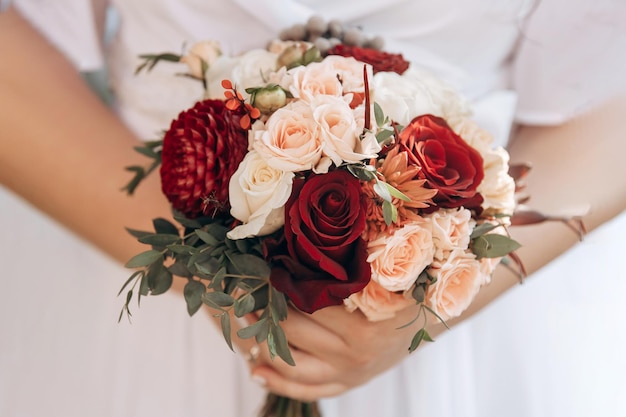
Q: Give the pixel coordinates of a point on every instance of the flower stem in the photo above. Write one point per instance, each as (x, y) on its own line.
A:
(279, 406)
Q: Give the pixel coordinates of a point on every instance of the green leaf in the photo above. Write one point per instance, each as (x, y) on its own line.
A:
(138, 233)
(381, 189)
(180, 218)
(164, 226)
(482, 229)
(128, 281)
(244, 305)
(390, 212)
(182, 249)
(146, 151)
(179, 268)
(225, 321)
(218, 279)
(417, 340)
(379, 115)
(217, 299)
(159, 239)
(251, 265)
(193, 296)
(206, 237)
(278, 305)
(493, 246)
(362, 172)
(396, 193)
(159, 279)
(217, 230)
(144, 259)
(254, 329)
(281, 347)
(384, 135)
(419, 293)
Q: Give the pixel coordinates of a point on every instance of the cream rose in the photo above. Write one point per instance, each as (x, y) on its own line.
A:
(415, 93)
(257, 194)
(205, 52)
(458, 280)
(289, 140)
(498, 187)
(377, 303)
(451, 230)
(398, 259)
(340, 131)
(251, 69)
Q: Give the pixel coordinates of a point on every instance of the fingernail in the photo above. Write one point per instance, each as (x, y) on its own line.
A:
(259, 380)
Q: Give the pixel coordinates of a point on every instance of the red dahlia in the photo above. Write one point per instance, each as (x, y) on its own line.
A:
(201, 150)
(379, 60)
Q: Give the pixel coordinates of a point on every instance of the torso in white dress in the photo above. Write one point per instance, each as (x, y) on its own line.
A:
(552, 347)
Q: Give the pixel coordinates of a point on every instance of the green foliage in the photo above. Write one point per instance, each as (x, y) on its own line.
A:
(152, 150)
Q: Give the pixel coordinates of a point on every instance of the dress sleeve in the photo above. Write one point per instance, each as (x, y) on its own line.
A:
(571, 58)
(69, 25)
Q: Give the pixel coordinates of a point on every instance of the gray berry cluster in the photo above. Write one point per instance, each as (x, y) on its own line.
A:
(325, 35)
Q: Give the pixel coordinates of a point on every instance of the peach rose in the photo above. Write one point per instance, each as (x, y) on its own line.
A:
(334, 76)
(399, 258)
(340, 131)
(290, 139)
(377, 303)
(451, 230)
(458, 280)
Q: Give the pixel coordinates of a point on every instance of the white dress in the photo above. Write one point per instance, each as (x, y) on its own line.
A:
(552, 347)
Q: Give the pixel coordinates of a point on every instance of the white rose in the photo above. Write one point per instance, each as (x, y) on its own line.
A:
(258, 194)
(451, 230)
(458, 280)
(415, 93)
(340, 131)
(205, 52)
(289, 140)
(398, 259)
(498, 187)
(251, 69)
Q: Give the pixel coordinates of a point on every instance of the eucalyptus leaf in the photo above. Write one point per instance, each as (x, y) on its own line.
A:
(225, 322)
(493, 246)
(278, 304)
(217, 230)
(253, 329)
(281, 345)
(159, 239)
(219, 299)
(243, 245)
(206, 237)
(129, 280)
(396, 193)
(138, 233)
(361, 173)
(384, 135)
(193, 296)
(419, 293)
(417, 340)
(179, 268)
(144, 288)
(379, 115)
(144, 259)
(482, 229)
(182, 249)
(218, 279)
(159, 279)
(390, 213)
(146, 151)
(250, 265)
(381, 189)
(180, 218)
(244, 305)
(164, 226)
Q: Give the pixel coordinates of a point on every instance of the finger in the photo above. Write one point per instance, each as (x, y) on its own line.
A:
(278, 384)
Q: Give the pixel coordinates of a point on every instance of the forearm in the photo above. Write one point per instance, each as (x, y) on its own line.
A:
(63, 150)
(577, 168)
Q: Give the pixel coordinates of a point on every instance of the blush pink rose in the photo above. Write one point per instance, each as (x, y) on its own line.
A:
(458, 280)
(376, 303)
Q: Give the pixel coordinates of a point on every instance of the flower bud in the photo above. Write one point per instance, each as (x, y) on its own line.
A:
(200, 57)
(270, 99)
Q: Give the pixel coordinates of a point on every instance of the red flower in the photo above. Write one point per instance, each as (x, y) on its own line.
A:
(321, 259)
(379, 60)
(448, 163)
(201, 151)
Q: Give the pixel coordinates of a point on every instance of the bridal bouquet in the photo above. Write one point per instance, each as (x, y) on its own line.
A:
(321, 174)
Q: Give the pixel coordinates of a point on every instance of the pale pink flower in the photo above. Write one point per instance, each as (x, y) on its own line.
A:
(377, 303)
(200, 57)
(397, 259)
(451, 230)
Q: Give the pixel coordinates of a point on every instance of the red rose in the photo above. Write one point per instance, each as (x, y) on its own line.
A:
(201, 151)
(322, 258)
(379, 60)
(448, 163)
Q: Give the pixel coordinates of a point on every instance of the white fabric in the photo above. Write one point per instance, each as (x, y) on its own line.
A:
(552, 347)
